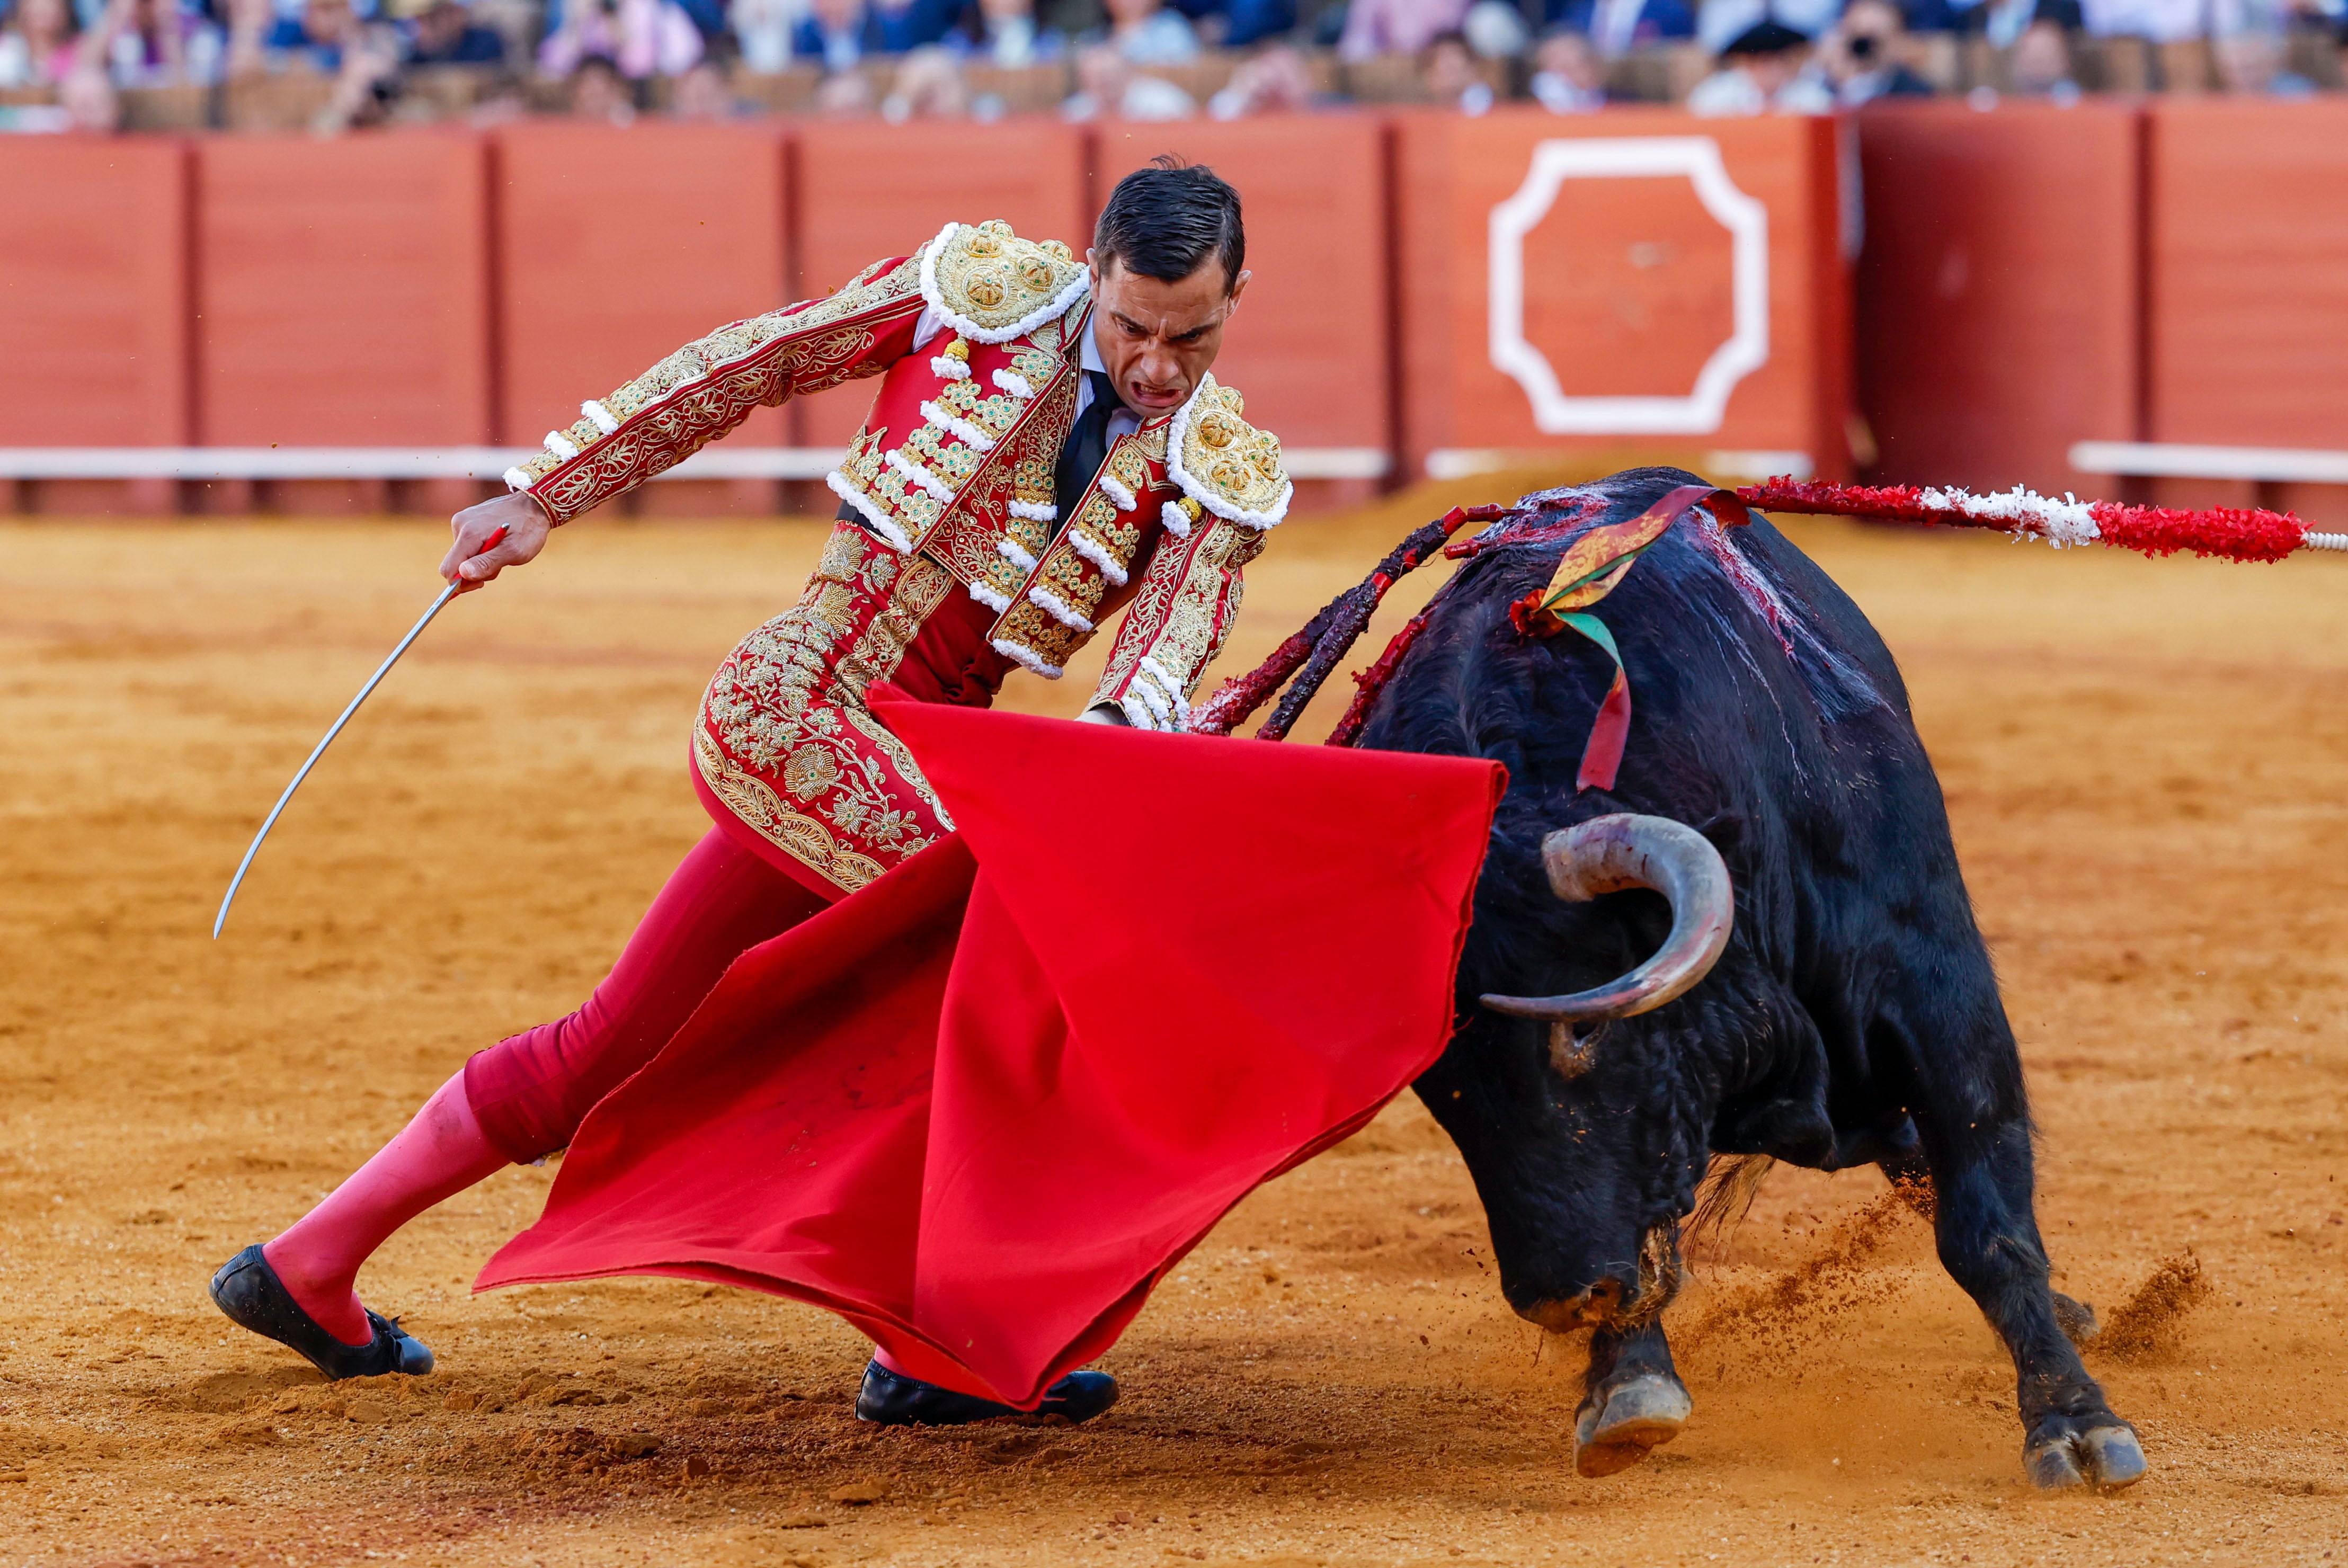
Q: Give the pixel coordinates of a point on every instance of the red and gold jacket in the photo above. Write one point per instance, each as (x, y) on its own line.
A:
(962, 567)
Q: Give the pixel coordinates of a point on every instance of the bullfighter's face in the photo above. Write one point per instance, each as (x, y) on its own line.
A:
(1158, 338)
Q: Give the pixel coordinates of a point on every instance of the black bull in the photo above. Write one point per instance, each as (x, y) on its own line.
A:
(1853, 1016)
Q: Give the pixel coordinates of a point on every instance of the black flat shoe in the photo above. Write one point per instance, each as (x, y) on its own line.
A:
(248, 1291)
(892, 1399)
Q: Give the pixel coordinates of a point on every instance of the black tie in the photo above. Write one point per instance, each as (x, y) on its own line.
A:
(1080, 459)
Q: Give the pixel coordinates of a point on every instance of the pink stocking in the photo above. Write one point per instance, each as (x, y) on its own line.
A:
(435, 1156)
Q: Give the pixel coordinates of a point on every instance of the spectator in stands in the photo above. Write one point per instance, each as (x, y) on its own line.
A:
(1615, 27)
(89, 101)
(2252, 61)
(703, 93)
(640, 38)
(316, 35)
(1448, 71)
(844, 95)
(1276, 79)
(1865, 56)
(2040, 64)
(836, 32)
(839, 32)
(444, 33)
(1004, 33)
(1374, 27)
(1766, 66)
(1146, 34)
(39, 44)
(929, 86)
(1239, 23)
(762, 30)
(1109, 87)
(1568, 77)
(250, 23)
(601, 92)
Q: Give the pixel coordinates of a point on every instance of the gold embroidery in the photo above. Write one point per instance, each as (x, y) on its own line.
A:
(710, 386)
(995, 280)
(1235, 464)
(786, 709)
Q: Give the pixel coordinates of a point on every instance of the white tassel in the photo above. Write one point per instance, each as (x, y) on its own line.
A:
(515, 480)
(986, 596)
(1019, 656)
(561, 445)
(1052, 605)
(601, 416)
(1176, 520)
(1018, 386)
(961, 430)
(1035, 510)
(882, 523)
(953, 369)
(918, 475)
(1085, 545)
(1115, 491)
(1009, 550)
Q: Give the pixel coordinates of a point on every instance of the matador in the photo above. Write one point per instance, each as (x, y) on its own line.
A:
(1046, 448)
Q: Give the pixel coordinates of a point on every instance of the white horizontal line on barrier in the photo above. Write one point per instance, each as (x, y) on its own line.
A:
(2174, 459)
(489, 462)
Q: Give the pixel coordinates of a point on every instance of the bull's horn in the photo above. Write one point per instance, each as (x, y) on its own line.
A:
(1608, 854)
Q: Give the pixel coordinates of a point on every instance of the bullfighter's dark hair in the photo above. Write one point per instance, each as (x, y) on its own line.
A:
(1164, 220)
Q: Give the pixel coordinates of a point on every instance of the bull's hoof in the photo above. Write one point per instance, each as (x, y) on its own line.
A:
(1620, 1425)
(2068, 1451)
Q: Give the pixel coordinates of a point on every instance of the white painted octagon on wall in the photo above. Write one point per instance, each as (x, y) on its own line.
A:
(1746, 350)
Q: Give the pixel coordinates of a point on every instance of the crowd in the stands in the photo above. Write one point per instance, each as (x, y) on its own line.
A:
(67, 63)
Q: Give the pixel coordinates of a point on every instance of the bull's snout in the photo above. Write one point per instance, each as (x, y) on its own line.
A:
(1601, 1304)
(1614, 1301)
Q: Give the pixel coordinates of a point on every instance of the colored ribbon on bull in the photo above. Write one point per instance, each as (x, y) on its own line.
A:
(1591, 567)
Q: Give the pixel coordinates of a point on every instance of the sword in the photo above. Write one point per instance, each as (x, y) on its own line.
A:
(373, 681)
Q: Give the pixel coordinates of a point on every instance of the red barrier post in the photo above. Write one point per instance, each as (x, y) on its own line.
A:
(1997, 290)
(1635, 281)
(2247, 242)
(342, 298)
(865, 191)
(616, 247)
(94, 307)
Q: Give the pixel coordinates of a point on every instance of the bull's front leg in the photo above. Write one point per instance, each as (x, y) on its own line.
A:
(1633, 1403)
(1988, 1243)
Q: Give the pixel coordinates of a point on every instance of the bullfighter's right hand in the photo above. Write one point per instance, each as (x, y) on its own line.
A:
(526, 526)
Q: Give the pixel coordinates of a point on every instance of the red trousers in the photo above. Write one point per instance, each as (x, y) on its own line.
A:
(531, 1091)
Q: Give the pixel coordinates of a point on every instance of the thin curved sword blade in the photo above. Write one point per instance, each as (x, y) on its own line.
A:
(275, 811)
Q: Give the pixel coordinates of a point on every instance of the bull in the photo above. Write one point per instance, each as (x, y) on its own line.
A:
(1621, 1024)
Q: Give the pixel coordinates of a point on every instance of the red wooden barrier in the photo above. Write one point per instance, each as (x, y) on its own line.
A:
(93, 302)
(1997, 290)
(1311, 347)
(1574, 283)
(2247, 236)
(869, 191)
(342, 291)
(616, 247)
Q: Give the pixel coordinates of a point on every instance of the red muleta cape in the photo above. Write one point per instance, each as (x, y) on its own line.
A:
(980, 1107)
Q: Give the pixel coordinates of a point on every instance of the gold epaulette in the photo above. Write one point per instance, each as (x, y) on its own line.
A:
(992, 286)
(1225, 464)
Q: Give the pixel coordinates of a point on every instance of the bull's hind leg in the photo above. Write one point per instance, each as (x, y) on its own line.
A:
(1989, 1242)
(1633, 1403)
(1912, 1178)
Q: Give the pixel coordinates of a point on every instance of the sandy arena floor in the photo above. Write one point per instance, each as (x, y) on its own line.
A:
(2145, 764)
